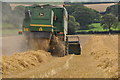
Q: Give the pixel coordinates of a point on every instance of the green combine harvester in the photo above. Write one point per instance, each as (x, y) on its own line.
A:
(45, 27)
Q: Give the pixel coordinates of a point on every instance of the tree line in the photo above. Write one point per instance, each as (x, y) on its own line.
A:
(80, 16)
(85, 16)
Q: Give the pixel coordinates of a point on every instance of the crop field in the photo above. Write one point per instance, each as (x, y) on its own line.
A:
(10, 29)
(99, 59)
(99, 7)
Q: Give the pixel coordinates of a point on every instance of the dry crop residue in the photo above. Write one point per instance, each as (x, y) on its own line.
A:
(99, 59)
(104, 49)
(21, 61)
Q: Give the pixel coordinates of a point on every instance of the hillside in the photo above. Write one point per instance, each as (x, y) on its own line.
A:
(99, 7)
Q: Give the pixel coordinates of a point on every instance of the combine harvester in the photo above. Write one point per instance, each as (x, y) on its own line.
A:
(45, 27)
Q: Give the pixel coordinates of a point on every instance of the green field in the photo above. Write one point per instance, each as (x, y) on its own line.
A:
(98, 27)
(10, 31)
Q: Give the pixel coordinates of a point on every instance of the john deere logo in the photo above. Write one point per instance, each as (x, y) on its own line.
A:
(40, 29)
(41, 14)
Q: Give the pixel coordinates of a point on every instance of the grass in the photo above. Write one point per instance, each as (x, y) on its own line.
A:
(9, 31)
(98, 27)
(7, 25)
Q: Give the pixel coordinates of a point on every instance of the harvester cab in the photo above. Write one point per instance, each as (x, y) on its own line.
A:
(73, 45)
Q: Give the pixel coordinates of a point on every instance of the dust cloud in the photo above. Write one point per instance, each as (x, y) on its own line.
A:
(39, 44)
(12, 19)
(13, 44)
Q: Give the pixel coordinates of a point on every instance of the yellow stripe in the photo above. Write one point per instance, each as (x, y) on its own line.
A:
(25, 29)
(41, 25)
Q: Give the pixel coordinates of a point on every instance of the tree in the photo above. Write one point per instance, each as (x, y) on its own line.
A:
(112, 9)
(71, 8)
(86, 16)
(72, 25)
(119, 11)
(109, 21)
(83, 15)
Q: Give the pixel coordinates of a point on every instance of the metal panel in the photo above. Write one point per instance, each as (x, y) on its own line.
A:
(74, 48)
(40, 35)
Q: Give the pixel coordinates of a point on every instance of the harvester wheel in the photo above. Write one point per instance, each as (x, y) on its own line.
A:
(57, 48)
(66, 48)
